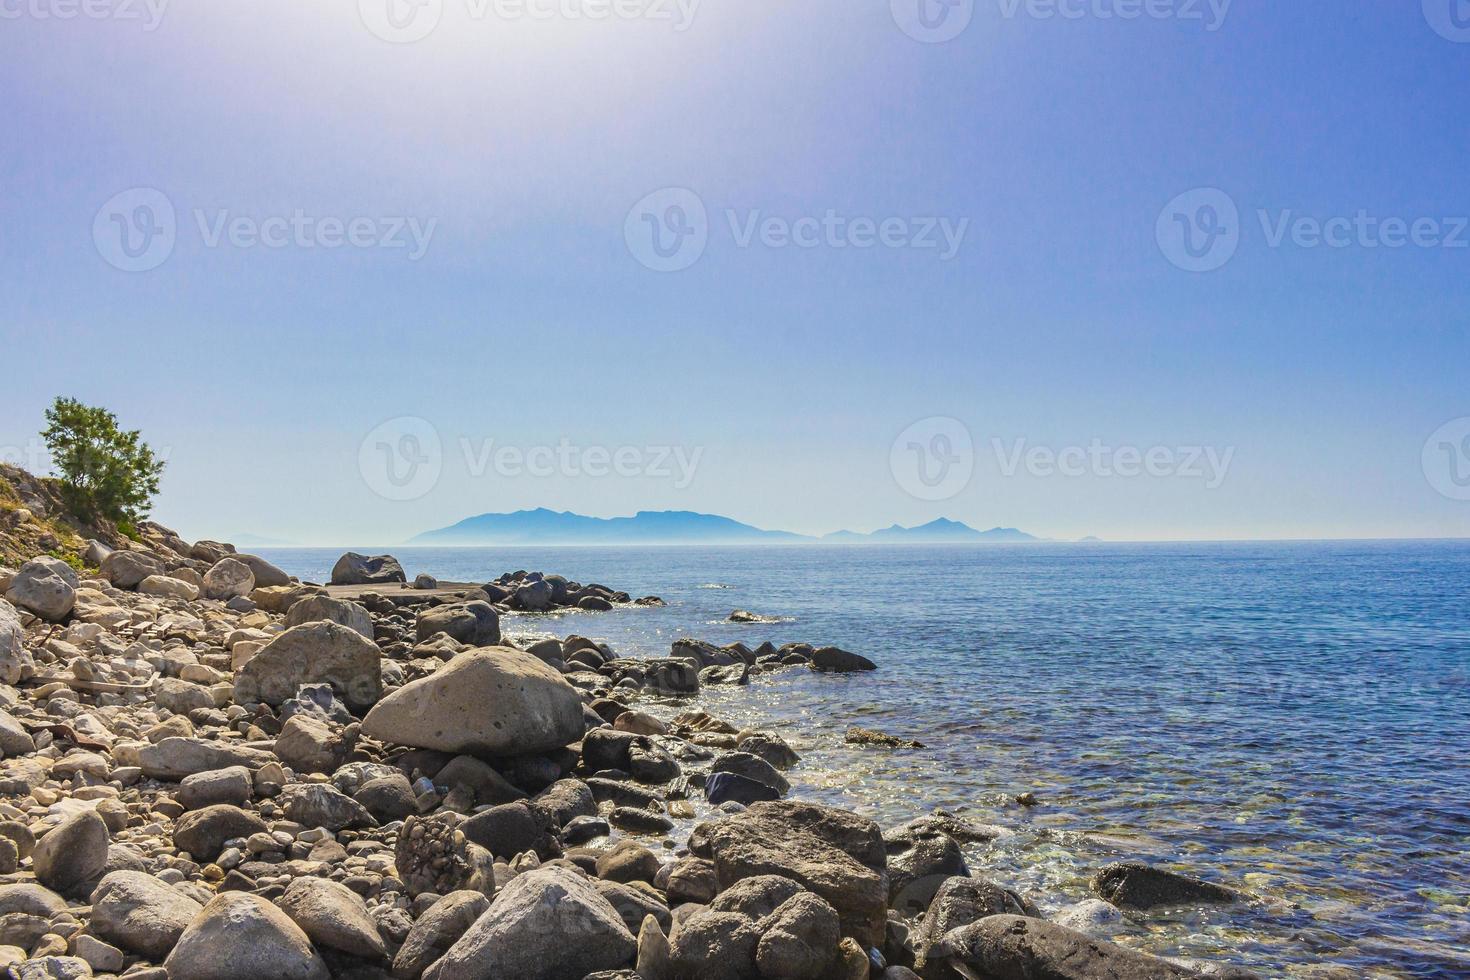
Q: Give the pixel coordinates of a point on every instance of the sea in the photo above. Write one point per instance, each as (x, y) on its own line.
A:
(1289, 718)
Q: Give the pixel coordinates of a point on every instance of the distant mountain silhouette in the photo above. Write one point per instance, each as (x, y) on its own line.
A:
(545, 527)
(942, 531)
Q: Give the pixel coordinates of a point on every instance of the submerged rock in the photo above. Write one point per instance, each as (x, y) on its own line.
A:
(1134, 885)
(1011, 947)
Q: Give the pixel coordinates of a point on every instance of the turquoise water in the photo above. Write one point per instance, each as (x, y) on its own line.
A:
(1290, 718)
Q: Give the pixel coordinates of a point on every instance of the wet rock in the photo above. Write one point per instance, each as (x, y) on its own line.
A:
(751, 767)
(240, 936)
(727, 787)
(496, 701)
(1134, 885)
(832, 660)
(636, 820)
(919, 862)
(735, 675)
(1010, 947)
(523, 935)
(355, 569)
(567, 799)
(1092, 916)
(770, 747)
(960, 902)
(869, 736)
(141, 914)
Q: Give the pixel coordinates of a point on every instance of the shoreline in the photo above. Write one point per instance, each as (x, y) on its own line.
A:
(321, 736)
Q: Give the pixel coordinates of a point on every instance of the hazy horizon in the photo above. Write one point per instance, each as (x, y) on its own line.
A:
(1192, 274)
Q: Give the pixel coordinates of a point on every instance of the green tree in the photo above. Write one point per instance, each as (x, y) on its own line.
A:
(105, 471)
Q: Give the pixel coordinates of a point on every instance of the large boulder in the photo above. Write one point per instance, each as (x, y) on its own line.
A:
(228, 579)
(334, 916)
(548, 924)
(355, 569)
(832, 852)
(1013, 947)
(494, 702)
(45, 586)
(74, 853)
(436, 930)
(959, 902)
(313, 653)
(320, 608)
(15, 660)
(241, 936)
(141, 914)
(1135, 885)
(267, 576)
(127, 569)
(475, 623)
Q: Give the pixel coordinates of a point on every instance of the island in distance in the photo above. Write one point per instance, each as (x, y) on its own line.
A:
(548, 527)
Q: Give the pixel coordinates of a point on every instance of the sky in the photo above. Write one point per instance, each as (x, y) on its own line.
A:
(1140, 269)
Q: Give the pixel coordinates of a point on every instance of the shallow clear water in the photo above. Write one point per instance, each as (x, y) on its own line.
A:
(1291, 718)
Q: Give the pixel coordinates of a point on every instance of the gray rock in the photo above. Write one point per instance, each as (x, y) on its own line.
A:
(320, 805)
(267, 576)
(320, 608)
(230, 578)
(175, 757)
(436, 931)
(920, 860)
(16, 661)
(1010, 947)
(241, 936)
(714, 945)
(126, 569)
(751, 767)
(14, 739)
(141, 914)
(73, 853)
(1134, 885)
(388, 798)
(310, 744)
(46, 586)
(831, 660)
(497, 701)
(534, 597)
(232, 785)
(355, 569)
(53, 968)
(26, 911)
(203, 832)
(514, 828)
(832, 852)
(798, 940)
(634, 904)
(168, 587)
(313, 653)
(181, 697)
(959, 902)
(474, 623)
(432, 855)
(332, 915)
(526, 932)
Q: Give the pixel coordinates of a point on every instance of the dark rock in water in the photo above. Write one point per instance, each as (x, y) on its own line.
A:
(567, 799)
(623, 794)
(593, 603)
(745, 616)
(835, 853)
(1011, 947)
(751, 767)
(920, 860)
(724, 787)
(651, 764)
(355, 569)
(868, 736)
(960, 902)
(957, 827)
(735, 674)
(1134, 885)
(831, 660)
(639, 821)
(580, 830)
(769, 746)
(605, 748)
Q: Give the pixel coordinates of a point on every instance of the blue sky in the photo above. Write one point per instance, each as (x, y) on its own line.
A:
(792, 381)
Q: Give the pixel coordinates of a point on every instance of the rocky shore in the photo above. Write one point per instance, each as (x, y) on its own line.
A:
(212, 770)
